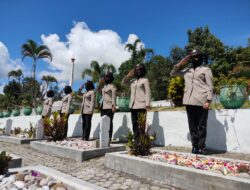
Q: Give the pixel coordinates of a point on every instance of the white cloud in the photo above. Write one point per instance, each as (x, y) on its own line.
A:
(6, 63)
(104, 46)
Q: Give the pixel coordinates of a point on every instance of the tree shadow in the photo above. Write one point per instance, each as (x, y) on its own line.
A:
(158, 130)
(122, 131)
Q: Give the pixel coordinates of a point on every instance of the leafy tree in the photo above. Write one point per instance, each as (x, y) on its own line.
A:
(139, 54)
(224, 64)
(31, 49)
(18, 75)
(105, 68)
(28, 89)
(12, 92)
(176, 54)
(158, 73)
(202, 39)
(48, 79)
(95, 71)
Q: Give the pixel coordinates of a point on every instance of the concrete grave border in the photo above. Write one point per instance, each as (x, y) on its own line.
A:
(177, 176)
(71, 182)
(16, 161)
(73, 153)
(17, 140)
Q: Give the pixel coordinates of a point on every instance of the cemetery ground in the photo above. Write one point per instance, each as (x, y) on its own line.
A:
(94, 171)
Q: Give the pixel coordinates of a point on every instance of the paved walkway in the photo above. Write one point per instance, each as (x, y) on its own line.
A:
(92, 171)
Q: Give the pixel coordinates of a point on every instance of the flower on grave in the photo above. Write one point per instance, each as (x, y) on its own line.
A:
(34, 173)
(203, 163)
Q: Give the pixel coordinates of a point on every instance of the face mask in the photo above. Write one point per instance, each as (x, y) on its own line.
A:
(138, 73)
(196, 61)
(67, 90)
(89, 86)
(107, 80)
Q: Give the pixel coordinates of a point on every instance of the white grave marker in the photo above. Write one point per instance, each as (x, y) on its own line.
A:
(39, 129)
(104, 131)
(8, 125)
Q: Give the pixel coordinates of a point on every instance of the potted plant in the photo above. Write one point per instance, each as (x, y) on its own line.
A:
(15, 112)
(232, 91)
(27, 110)
(123, 103)
(6, 113)
(176, 90)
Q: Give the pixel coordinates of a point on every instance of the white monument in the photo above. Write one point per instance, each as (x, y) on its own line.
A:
(39, 129)
(104, 131)
(8, 125)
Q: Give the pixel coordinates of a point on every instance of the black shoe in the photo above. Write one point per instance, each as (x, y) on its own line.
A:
(204, 151)
(195, 150)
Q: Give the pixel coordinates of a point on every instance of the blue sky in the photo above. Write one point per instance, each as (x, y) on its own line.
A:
(160, 24)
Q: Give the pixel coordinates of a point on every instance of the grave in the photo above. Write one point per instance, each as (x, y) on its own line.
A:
(75, 153)
(175, 174)
(22, 139)
(16, 161)
(80, 150)
(35, 177)
(17, 140)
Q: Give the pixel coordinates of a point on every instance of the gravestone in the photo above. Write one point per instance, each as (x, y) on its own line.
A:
(104, 131)
(39, 129)
(8, 125)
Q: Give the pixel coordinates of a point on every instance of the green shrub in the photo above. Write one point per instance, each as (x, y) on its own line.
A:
(176, 90)
(32, 131)
(54, 127)
(142, 143)
(4, 162)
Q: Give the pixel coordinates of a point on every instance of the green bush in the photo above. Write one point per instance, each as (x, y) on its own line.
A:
(176, 90)
(54, 127)
(142, 143)
(4, 162)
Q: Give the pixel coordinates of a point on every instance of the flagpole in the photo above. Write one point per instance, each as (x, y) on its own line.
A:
(72, 73)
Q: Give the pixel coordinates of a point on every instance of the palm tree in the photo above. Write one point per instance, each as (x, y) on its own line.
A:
(95, 71)
(139, 54)
(18, 75)
(48, 79)
(105, 68)
(133, 49)
(31, 49)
